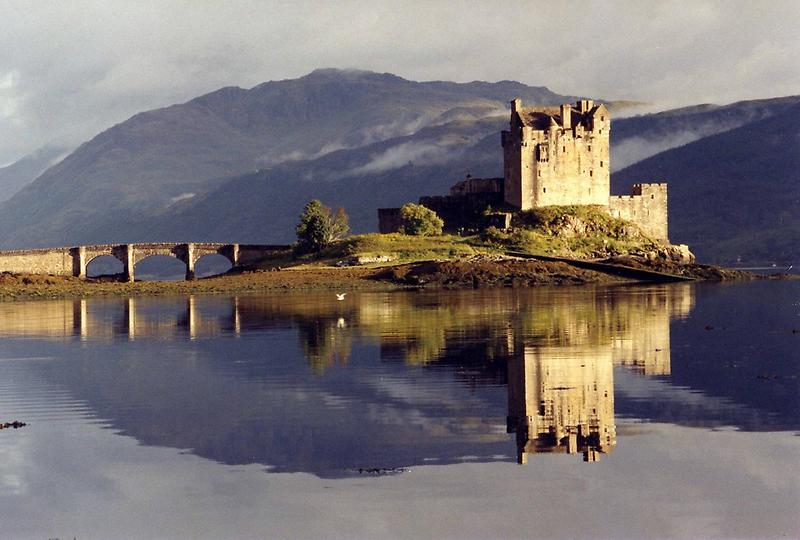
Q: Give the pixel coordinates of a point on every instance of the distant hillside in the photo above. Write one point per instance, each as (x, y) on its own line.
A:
(240, 164)
(160, 157)
(264, 206)
(733, 194)
(267, 203)
(17, 175)
(639, 137)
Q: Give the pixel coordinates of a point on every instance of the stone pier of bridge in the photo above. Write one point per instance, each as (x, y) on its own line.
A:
(73, 261)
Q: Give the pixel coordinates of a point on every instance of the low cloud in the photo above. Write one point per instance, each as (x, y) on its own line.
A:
(104, 61)
(413, 153)
(634, 149)
(181, 197)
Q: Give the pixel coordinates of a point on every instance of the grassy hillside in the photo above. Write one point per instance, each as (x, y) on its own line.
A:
(582, 232)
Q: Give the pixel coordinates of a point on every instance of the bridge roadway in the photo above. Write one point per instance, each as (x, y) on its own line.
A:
(72, 261)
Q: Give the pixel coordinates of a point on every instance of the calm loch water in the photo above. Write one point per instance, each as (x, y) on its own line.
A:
(664, 411)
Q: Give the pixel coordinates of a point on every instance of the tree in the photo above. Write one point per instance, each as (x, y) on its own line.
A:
(319, 227)
(419, 221)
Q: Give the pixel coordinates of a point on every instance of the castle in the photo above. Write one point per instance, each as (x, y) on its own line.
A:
(551, 156)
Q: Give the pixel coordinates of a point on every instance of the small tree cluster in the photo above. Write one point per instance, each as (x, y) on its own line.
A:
(319, 227)
(418, 220)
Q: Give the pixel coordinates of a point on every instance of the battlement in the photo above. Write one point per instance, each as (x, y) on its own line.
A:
(646, 206)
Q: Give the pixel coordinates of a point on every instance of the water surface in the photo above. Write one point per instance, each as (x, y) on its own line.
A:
(645, 411)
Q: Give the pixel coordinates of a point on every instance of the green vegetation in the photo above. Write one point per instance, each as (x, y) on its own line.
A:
(319, 227)
(562, 231)
(404, 248)
(570, 231)
(420, 221)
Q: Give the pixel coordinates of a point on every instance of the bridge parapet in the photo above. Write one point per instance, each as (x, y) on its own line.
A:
(73, 261)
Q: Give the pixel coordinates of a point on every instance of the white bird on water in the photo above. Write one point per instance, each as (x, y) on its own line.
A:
(340, 296)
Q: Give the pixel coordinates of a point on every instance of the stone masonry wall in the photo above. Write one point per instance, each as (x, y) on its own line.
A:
(46, 261)
(389, 220)
(646, 206)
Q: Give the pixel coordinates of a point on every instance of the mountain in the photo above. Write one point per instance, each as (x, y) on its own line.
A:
(399, 170)
(158, 158)
(733, 194)
(240, 164)
(22, 172)
(640, 137)
(263, 206)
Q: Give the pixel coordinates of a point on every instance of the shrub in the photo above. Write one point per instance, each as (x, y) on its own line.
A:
(319, 227)
(418, 220)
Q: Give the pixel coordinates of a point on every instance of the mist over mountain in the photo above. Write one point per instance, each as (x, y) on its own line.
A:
(733, 194)
(389, 173)
(640, 137)
(238, 165)
(158, 158)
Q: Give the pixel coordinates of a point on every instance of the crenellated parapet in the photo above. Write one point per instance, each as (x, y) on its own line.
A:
(646, 206)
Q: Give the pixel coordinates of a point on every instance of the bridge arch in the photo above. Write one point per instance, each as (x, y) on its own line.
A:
(159, 267)
(72, 261)
(104, 265)
(211, 264)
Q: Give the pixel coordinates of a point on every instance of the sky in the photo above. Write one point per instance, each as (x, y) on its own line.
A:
(70, 69)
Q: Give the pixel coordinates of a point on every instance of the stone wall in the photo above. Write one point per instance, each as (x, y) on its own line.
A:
(646, 206)
(59, 262)
(471, 186)
(389, 220)
(463, 212)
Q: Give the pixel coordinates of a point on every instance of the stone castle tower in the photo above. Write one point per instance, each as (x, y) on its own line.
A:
(557, 155)
(560, 156)
(552, 156)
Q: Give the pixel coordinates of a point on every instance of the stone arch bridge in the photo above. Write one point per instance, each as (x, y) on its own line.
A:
(72, 261)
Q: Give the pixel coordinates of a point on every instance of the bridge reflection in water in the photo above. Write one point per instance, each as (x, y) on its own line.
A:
(555, 350)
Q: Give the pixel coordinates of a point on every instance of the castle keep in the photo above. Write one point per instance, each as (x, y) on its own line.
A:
(551, 156)
(560, 156)
(556, 155)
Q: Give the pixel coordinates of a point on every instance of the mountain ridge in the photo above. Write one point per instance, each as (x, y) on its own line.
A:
(352, 138)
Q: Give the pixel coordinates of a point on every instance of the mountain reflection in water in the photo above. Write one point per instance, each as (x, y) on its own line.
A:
(383, 381)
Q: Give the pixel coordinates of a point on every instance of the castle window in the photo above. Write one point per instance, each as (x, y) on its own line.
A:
(540, 174)
(590, 148)
(591, 173)
(563, 148)
(602, 118)
(652, 196)
(601, 163)
(544, 190)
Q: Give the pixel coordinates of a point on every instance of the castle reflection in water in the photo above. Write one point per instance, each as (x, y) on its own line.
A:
(557, 351)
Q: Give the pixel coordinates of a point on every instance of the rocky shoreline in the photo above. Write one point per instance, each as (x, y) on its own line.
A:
(466, 272)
